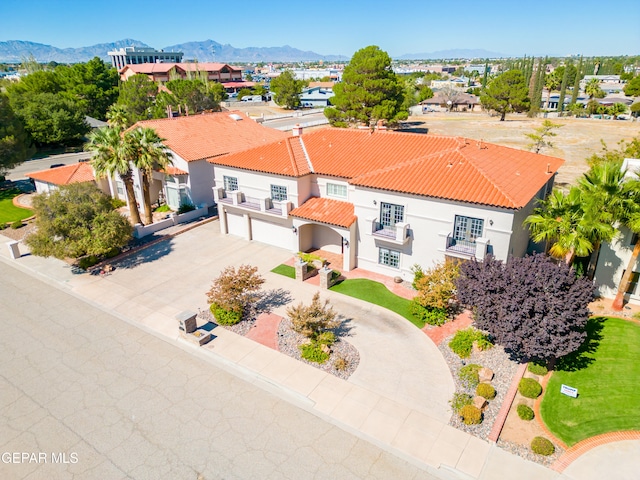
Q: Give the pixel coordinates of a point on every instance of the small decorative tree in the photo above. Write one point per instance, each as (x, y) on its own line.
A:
(436, 290)
(314, 319)
(233, 290)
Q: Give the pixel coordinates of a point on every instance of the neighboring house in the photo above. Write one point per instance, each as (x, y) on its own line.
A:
(384, 200)
(459, 83)
(137, 55)
(192, 140)
(459, 101)
(316, 97)
(163, 72)
(50, 179)
(325, 85)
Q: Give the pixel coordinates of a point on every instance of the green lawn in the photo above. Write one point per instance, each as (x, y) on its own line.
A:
(378, 294)
(8, 211)
(285, 270)
(606, 373)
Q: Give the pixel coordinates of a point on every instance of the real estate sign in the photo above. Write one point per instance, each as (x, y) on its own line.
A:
(569, 391)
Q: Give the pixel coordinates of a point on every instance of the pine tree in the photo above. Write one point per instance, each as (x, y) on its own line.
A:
(576, 83)
(563, 88)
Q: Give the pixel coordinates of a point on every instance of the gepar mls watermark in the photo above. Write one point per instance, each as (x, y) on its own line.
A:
(39, 457)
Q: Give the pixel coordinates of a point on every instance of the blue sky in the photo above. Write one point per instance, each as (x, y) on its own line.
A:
(511, 27)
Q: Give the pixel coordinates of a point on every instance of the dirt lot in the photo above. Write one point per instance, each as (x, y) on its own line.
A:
(575, 141)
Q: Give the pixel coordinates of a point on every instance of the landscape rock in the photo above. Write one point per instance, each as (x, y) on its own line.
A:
(479, 402)
(485, 375)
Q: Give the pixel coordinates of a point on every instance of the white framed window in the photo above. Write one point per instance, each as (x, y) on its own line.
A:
(467, 228)
(388, 257)
(391, 214)
(278, 193)
(120, 187)
(336, 190)
(230, 183)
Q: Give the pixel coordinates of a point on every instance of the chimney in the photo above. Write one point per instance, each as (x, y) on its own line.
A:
(297, 130)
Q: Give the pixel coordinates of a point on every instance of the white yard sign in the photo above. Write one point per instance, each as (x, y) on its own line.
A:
(570, 391)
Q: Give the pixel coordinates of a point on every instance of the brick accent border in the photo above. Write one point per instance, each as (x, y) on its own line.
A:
(584, 446)
(16, 203)
(506, 404)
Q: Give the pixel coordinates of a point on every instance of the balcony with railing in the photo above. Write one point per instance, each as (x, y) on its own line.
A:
(399, 233)
(256, 204)
(466, 248)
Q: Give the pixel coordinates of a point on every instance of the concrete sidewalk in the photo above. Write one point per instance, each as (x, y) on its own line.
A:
(396, 399)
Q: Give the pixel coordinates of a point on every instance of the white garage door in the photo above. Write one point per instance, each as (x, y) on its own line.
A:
(271, 233)
(236, 224)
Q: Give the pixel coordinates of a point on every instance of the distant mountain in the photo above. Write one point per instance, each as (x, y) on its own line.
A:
(456, 53)
(15, 50)
(205, 51)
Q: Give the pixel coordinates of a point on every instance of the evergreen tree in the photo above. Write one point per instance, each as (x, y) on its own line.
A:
(506, 93)
(563, 88)
(486, 74)
(15, 146)
(576, 83)
(287, 90)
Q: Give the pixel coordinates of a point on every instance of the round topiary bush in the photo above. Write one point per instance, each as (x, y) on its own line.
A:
(529, 388)
(537, 369)
(225, 317)
(525, 412)
(471, 415)
(486, 390)
(542, 446)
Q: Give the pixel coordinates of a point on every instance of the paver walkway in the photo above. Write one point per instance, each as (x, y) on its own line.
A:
(265, 330)
(438, 334)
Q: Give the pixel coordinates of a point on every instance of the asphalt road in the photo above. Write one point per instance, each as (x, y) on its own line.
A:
(85, 395)
(20, 171)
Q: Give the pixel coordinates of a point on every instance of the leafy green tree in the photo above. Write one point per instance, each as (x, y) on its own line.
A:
(424, 93)
(369, 91)
(635, 109)
(287, 90)
(15, 145)
(137, 96)
(36, 82)
(51, 119)
(149, 154)
(77, 220)
(244, 92)
(539, 139)
(186, 96)
(112, 154)
(632, 88)
(506, 93)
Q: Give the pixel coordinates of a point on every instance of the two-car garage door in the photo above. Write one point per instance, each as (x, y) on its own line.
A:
(263, 230)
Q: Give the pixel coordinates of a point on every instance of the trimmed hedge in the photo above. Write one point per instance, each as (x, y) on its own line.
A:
(525, 412)
(471, 415)
(537, 369)
(486, 390)
(529, 388)
(225, 317)
(542, 446)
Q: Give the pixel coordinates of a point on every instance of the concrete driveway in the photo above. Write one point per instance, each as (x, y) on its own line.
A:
(397, 360)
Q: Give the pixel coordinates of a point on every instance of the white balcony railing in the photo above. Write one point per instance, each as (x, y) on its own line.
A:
(255, 204)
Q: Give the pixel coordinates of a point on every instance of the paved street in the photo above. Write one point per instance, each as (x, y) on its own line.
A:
(124, 403)
(18, 173)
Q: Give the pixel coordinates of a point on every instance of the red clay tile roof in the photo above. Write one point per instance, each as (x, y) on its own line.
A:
(442, 167)
(171, 170)
(326, 210)
(148, 68)
(76, 173)
(209, 135)
(165, 67)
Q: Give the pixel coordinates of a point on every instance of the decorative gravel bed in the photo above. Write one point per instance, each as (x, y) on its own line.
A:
(497, 360)
(241, 328)
(526, 453)
(288, 342)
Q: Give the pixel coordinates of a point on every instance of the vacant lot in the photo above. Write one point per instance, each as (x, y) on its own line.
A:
(575, 141)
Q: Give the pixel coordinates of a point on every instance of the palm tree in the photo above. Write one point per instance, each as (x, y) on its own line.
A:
(112, 153)
(552, 82)
(592, 88)
(117, 116)
(150, 154)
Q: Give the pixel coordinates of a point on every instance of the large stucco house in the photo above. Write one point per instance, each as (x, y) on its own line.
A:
(384, 200)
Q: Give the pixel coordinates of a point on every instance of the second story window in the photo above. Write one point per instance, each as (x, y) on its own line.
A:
(391, 214)
(278, 193)
(467, 228)
(230, 183)
(336, 190)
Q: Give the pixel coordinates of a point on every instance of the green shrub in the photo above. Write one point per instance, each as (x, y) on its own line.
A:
(17, 224)
(469, 375)
(326, 338)
(112, 253)
(462, 341)
(471, 415)
(309, 258)
(418, 274)
(525, 412)
(529, 388)
(117, 203)
(430, 316)
(537, 369)
(313, 352)
(459, 400)
(486, 390)
(3, 226)
(88, 261)
(542, 446)
(335, 274)
(225, 317)
(186, 207)
(163, 208)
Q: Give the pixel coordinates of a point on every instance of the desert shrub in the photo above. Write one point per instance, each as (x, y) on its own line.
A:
(17, 224)
(186, 207)
(459, 400)
(313, 352)
(462, 341)
(430, 316)
(537, 369)
(471, 415)
(225, 317)
(525, 412)
(529, 388)
(486, 390)
(88, 261)
(542, 446)
(326, 338)
(233, 290)
(312, 320)
(341, 363)
(468, 375)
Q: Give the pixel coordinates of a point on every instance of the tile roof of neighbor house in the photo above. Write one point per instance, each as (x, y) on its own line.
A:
(76, 173)
(171, 170)
(326, 210)
(197, 137)
(163, 67)
(450, 168)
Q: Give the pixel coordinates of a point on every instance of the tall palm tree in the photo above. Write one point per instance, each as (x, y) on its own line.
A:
(632, 221)
(150, 154)
(112, 153)
(117, 116)
(592, 88)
